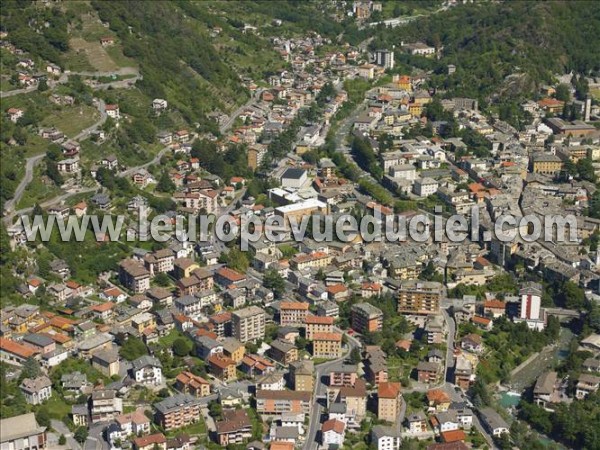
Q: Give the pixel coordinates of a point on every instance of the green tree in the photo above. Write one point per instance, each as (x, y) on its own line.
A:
(165, 184)
(31, 368)
(81, 434)
(62, 440)
(563, 92)
(272, 280)
(133, 348)
(181, 347)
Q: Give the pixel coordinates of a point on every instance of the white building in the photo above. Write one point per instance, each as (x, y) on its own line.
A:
(36, 390)
(404, 172)
(147, 370)
(531, 311)
(384, 58)
(385, 438)
(333, 432)
(424, 187)
(294, 178)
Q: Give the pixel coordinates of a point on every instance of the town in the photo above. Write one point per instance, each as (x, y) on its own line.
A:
(296, 344)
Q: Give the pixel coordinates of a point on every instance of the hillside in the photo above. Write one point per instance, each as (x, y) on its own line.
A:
(490, 41)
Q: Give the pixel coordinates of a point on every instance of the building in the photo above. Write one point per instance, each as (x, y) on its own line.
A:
(424, 187)
(385, 438)
(302, 375)
(13, 352)
(546, 164)
(134, 276)
(293, 313)
(586, 384)
(294, 178)
(188, 383)
(156, 441)
(106, 361)
(317, 324)
(384, 58)
(428, 372)
(36, 390)
(278, 402)
(419, 297)
(366, 318)
(147, 370)
(493, 422)
(22, 433)
(126, 425)
(222, 367)
(327, 345)
(343, 375)
(530, 310)
(389, 401)
(105, 405)
(464, 375)
(284, 352)
(333, 433)
(234, 428)
(248, 324)
(544, 390)
(177, 411)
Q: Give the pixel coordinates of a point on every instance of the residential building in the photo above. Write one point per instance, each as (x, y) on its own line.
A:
(292, 313)
(222, 367)
(493, 422)
(389, 401)
(283, 351)
(248, 324)
(106, 361)
(105, 405)
(586, 384)
(156, 441)
(22, 433)
(317, 324)
(302, 375)
(386, 438)
(278, 402)
(134, 276)
(36, 390)
(188, 383)
(332, 433)
(428, 372)
(419, 297)
(147, 370)
(327, 345)
(366, 318)
(235, 427)
(177, 411)
(343, 375)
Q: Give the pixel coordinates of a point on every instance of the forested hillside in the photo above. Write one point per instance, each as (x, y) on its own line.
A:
(490, 41)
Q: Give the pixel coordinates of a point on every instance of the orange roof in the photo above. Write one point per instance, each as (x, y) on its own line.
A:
(388, 389)
(494, 304)
(453, 436)
(35, 282)
(481, 320)
(438, 396)
(208, 333)
(404, 344)
(113, 292)
(220, 361)
(221, 317)
(61, 322)
(327, 337)
(281, 445)
(151, 439)
(103, 307)
(550, 103)
(73, 284)
(368, 286)
(16, 349)
(333, 425)
(476, 187)
(318, 320)
(80, 205)
(294, 305)
(337, 289)
(58, 337)
(230, 274)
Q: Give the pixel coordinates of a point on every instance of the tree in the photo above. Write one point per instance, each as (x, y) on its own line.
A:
(272, 280)
(62, 440)
(43, 85)
(563, 92)
(133, 348)
(355, 356)
(81, 434)
(165, 184)
(31, 368)
(43, 417)
(162, 279)
(181, 347)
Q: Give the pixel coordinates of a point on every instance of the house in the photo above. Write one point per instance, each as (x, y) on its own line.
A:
(66, 166)
(222, 367)
(586, 384)
(438, 400)
(156, 441)
(126, 425)
(106, 361)
(39, 342)
(428, 372)
(386, 438)
(283, 351)
(272, 381)
(107, 41)
(147, 370)
(14, 114)
(234, 428)
(417, 423)
(256, 365)
(36, 390)
(332, 433)
(545, 389)
(159, 104)
(105, 405)
(113, 111)
(114, 295)
(177, 411)
(493, 422)
(22, 432)
(472, 342)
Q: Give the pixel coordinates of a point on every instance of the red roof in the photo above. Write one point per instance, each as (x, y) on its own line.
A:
(103, 307)
(453, 436)
(318, 320)
(327, 337)
(151, 439)
(295, 305)
(16, 349)
(333, 425)
(337, 289)
(230, 274)
(388, 389)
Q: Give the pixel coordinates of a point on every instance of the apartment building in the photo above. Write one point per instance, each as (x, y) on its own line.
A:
(343, 375)
(177, 411)
(22, 433)
(366, 318)
(134, 276)
(248, 324)
(419, 297)
(278, 402)
(188, 383)
(389, 401)
(222, 367)
(234, 428)
(292, 313)
(317, 324)
(327, 345)
(302, 375)
(105, 405)
(160, 261)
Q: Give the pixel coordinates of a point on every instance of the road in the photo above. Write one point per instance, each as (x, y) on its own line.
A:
(89, 130)
(61, 428)
(27, 178)
(224, 127)
(320, 391)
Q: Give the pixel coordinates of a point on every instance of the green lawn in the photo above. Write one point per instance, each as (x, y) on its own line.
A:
(37, 191)
(57, 407)
(167, 341)
(197, 429)
(116, 54)
(72, 120)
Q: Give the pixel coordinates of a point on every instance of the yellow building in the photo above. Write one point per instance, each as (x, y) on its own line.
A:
(327, 345)
(234, 349)
(389, 401)
(547, 164)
